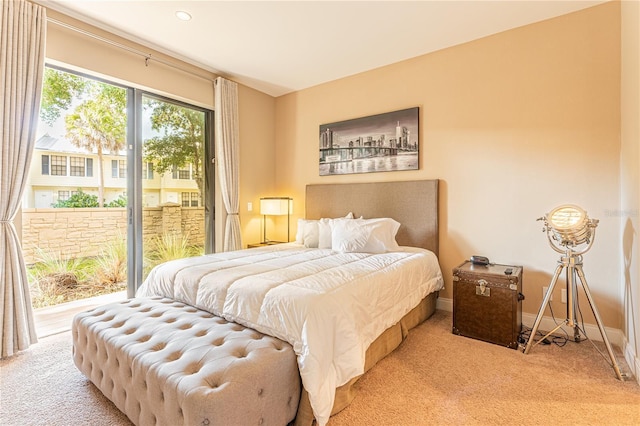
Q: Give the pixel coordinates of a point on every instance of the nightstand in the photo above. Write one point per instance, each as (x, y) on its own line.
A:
(487, 302)
(268, 243)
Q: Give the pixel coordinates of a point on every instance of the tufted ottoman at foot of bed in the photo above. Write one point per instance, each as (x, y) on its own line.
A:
(162, 362)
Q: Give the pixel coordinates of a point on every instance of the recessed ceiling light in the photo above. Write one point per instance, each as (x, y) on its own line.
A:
(181, 14)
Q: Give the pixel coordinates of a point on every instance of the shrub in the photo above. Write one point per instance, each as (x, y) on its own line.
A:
(111, 265)
(121, 201)
(78, 200)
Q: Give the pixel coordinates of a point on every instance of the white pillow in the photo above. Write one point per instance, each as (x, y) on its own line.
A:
(316, 233)
(310, 236)
(365, 236)
(324, 233)
(300, 231)
(325, 230)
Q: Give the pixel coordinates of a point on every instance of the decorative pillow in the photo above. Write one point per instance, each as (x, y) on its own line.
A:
(325, 229)
(300, 231)
(365, 236)
(316, 233)
(310, 236)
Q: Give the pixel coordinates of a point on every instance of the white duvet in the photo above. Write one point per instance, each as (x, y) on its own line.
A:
(329, 306)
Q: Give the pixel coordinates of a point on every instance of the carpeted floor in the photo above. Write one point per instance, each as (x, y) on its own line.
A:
(433, 378)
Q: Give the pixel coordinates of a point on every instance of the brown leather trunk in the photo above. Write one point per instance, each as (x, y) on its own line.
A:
(487, 303)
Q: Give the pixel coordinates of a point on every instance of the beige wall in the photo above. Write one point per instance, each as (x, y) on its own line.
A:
(630, 179)
(514, 124)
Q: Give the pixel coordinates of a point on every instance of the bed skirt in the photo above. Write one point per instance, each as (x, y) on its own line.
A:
(380, 348)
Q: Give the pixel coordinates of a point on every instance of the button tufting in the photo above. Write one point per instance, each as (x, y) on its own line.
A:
(174, 356)
(260, 391)
(260, 421)
(201, 333)
(160, 346)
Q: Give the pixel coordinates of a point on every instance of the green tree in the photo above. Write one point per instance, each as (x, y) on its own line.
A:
(98, 124)
(181, 141)
(58, 91)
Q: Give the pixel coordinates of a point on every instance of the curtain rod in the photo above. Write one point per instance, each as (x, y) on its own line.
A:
(147, 56)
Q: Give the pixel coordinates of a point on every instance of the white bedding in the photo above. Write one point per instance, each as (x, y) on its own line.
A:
(329, 306)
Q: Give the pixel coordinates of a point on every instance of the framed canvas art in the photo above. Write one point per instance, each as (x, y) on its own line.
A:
(377, 143)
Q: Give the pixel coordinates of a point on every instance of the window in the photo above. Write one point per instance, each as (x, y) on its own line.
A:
(45, 164)
(135, 150)
(181, 173)
(118, 168)
(147, 170)
(58, 165)
(195, 199)
(77, 166)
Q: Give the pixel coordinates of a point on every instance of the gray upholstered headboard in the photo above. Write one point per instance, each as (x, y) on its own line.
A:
(412, 203)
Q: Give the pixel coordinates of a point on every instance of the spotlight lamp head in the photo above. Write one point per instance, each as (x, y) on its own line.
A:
(569, 226)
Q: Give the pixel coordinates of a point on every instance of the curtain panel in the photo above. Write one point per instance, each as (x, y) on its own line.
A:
(227, 151)
(22, 45)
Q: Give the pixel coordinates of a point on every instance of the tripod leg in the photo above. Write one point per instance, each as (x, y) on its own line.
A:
(572, 301)
(543, 306)
(583, 280)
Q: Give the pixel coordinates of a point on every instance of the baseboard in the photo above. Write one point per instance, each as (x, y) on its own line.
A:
(615, 335)
(444, 304)
(632, 360)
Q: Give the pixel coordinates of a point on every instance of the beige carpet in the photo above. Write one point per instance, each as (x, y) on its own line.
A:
(433, 378)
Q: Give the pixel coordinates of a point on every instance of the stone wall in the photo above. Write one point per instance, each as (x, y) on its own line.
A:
(82, 232)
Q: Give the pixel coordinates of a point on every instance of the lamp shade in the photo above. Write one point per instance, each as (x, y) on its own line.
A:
(275, 206)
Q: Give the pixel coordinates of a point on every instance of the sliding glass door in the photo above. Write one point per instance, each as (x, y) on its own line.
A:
(174, 142)
(119, 182)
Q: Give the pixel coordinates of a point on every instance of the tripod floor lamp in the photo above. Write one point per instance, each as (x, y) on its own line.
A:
(275, 206)
(568, 227)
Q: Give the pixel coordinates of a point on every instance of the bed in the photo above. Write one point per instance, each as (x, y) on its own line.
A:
(312, 298)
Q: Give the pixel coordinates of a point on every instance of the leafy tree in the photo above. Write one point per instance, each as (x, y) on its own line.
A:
(78, 200)
(99, 124)
(58, 91)
(181, 141)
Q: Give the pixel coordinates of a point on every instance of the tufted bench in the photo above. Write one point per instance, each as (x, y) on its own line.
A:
(162, 362)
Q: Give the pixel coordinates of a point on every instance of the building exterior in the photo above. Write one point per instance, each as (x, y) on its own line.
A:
(59, 169)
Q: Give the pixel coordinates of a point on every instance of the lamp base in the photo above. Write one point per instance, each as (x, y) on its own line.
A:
(572, 264)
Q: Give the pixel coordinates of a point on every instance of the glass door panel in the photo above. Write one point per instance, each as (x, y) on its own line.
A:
(74, 217)
(174, 137)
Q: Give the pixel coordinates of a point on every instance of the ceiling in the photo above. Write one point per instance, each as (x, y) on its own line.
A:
(282, 46)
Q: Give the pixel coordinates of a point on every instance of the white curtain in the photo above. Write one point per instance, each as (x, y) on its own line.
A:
(227, 152)
(22, 43)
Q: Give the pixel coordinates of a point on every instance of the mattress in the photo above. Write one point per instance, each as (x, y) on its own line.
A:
(329, 306)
